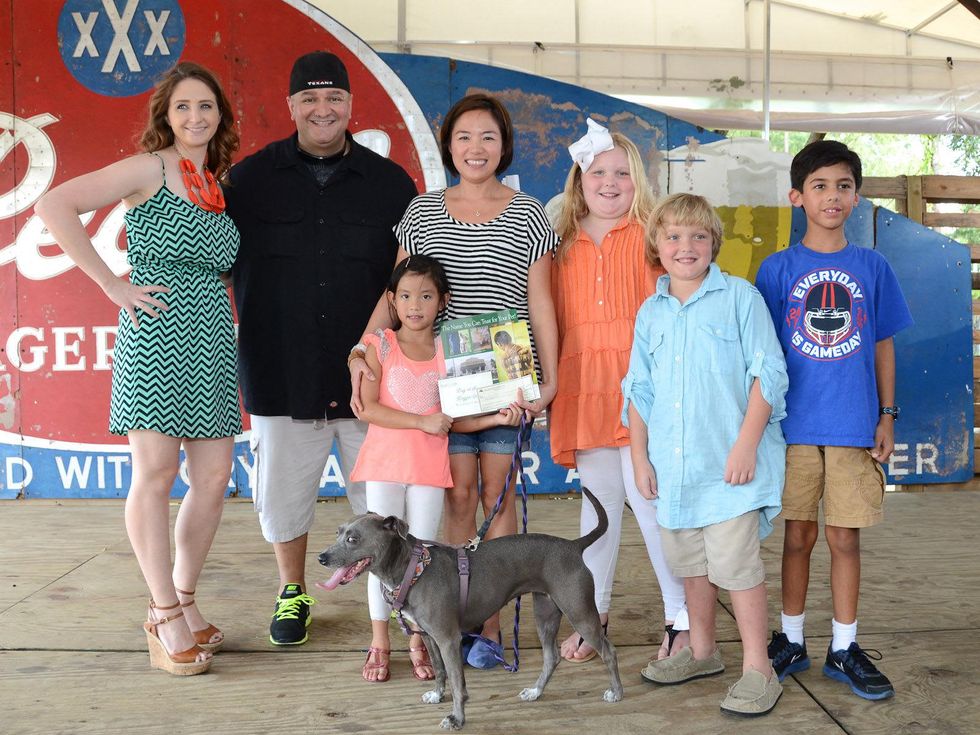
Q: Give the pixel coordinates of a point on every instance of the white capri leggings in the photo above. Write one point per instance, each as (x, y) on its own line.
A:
(420, 506)
(608, 473)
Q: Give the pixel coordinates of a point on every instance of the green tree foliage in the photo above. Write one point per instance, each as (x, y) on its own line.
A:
(882, 154)
(967, 148)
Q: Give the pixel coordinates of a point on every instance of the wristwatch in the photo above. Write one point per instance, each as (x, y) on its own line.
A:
(892, 411)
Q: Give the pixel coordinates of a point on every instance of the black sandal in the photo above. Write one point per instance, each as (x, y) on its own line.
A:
(671, 636)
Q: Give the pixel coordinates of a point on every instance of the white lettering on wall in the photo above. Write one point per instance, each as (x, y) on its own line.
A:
(75, 472)
(103, 352)
(332, 473)
(28, 348)
(926, 454)
(41, 160)
(19, 473)
(66, 347)
(925, 458)
(531, 468)
(37, 352)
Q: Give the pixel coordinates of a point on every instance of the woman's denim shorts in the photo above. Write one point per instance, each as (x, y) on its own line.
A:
(496, 440)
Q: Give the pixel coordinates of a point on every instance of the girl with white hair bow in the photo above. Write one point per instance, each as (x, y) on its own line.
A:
(600, 277)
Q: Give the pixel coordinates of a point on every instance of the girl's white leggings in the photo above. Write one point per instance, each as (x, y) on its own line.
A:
(608, 473)
(420, 506)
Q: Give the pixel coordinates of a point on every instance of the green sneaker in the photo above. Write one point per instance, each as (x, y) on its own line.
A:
(291, 618)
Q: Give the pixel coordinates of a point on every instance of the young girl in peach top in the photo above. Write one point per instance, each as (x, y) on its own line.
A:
(600, 277)
(404, 461)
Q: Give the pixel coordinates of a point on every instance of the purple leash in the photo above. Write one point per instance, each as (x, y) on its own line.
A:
(419, 559)
(516, 466)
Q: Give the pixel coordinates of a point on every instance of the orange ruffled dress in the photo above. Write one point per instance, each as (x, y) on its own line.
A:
(597, 293)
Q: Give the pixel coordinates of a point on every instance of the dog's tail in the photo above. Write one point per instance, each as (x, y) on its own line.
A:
(596, 533)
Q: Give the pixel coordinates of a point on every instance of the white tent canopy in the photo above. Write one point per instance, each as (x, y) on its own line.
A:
(856, 65)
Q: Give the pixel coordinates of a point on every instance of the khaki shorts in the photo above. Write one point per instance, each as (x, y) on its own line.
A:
(288, 461)
(727, 552)
(850, 481)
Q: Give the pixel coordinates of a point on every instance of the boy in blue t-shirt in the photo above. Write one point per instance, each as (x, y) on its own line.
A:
(836, 308)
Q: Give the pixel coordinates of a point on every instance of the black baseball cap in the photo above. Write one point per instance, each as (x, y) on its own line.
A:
(318, 70)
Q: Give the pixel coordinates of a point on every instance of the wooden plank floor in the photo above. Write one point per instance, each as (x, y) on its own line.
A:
(73, 657)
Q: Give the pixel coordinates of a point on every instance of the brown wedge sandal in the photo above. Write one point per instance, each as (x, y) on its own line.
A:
(182, 663)
(210, 638)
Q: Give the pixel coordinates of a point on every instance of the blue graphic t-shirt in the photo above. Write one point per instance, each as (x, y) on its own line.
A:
(829, 310)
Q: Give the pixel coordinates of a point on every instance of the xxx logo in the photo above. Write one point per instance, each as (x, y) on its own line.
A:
(119, 47)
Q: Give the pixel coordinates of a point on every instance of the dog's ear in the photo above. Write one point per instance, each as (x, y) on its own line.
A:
(396, 524)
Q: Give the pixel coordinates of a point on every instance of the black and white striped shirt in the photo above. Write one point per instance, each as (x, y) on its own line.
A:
(487, 263)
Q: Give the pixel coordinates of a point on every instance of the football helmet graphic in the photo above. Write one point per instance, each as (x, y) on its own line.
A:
(828, 313)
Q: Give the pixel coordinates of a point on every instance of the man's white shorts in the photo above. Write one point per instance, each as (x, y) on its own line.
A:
(289, 457)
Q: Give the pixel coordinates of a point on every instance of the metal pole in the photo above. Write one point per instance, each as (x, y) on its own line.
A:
(402, 44)
(766, 80)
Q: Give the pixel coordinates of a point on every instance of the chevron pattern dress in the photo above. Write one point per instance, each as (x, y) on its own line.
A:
(176, 374)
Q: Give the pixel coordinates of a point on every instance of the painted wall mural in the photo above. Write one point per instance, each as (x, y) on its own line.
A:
(73, 86)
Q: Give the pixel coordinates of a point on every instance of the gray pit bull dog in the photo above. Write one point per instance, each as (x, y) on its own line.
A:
(548, 567)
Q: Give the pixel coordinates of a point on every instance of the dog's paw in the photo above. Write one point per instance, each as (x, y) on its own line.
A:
(432, 697)
(451, 723)
(612, 696)
(530, 694)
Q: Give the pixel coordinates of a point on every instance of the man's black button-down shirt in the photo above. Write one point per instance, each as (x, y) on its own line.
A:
(312, 264)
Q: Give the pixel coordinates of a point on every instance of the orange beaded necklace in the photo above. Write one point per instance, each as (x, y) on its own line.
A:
(209, 198)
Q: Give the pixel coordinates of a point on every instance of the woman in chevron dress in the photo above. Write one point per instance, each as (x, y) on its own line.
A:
(174, 374)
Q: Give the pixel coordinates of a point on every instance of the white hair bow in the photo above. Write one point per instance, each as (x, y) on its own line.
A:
(597, 140)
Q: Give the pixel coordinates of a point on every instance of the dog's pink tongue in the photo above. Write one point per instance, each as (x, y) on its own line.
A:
(334, 581)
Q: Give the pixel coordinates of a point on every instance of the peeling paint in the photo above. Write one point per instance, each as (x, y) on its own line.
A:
(8, 406)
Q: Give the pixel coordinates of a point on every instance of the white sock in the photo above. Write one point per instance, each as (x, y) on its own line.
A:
(844, 635)
(793, 627)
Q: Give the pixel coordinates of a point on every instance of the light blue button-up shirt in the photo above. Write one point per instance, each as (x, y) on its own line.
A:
(691, 370)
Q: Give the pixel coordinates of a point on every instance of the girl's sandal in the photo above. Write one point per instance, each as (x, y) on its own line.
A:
(422, 666)
(667, 647)
(591, 655)
(194, 660)
(210, 638)
(377, 662)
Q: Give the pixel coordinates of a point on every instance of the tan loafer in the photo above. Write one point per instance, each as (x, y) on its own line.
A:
(683, 667)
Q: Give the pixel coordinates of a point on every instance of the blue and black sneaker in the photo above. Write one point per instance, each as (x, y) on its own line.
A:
(787, 657)
(854, 668)
(292, 617)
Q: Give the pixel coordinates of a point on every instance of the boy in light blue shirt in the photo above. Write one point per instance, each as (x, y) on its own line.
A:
(703, 399)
